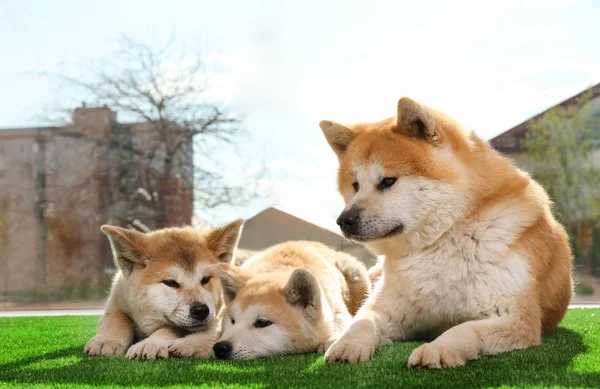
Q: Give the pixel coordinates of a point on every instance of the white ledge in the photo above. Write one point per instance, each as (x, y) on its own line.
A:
(97, 312)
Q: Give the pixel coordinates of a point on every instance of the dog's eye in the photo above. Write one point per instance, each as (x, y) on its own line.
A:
(262, 323)
(171, 283)
(355, 186)
(232, 321)
(386, 183)
(205, 280)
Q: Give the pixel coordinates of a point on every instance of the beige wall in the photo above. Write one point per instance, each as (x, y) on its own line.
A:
(74, 214)
(18, 269)
(73, 243)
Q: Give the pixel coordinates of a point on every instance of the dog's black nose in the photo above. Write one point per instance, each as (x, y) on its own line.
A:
(348, 220)
(199, 311)
(223, 350)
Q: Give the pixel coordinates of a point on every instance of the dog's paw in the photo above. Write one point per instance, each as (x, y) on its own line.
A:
(182, 348)
(431, 355)
(98, 346)
(349, 350)
(147, 350)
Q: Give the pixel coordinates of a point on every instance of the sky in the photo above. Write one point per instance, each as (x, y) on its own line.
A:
(286, 65)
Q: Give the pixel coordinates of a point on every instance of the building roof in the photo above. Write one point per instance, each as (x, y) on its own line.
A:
(510, 141)
(272, 226)
(281, 213)
(24, 132)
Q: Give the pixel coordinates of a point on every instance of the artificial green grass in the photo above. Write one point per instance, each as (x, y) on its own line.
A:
(46, 352)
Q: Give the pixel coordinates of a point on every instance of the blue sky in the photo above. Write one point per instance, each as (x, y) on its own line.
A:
(285, 65)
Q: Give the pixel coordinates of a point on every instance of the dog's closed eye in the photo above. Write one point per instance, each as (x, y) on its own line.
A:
(171, 283)
(262, 323)
(386, 183)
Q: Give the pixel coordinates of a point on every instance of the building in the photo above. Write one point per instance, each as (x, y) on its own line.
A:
(273, 226)
(509, 142)
(58, 185)
(584, 229)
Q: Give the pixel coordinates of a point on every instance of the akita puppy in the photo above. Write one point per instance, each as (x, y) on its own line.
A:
(163, 294)
(471, 252)
(295, 297)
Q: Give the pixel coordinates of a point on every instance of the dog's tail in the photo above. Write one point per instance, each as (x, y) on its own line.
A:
(375, 272)
(357, 278)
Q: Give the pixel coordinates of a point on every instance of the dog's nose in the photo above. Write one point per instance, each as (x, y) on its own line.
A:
(348, 220)
(199, 311)
(223, 350)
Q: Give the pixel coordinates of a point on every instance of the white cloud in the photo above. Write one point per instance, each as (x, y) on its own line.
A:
(542, 4)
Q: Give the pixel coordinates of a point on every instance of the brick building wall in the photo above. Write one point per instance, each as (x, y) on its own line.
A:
(57, 187)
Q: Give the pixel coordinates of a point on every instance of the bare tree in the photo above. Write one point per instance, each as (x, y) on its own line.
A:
(171, 154)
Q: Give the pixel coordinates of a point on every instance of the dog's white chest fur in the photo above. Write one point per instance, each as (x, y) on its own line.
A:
(460, 278)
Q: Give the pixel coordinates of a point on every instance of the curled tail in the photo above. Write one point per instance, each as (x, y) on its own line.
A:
(375, 272)
(357, 279)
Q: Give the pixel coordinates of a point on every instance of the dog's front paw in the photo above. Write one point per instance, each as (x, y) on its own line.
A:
(148, 350)
(431, 355)
(349, 350)
(98, 346)
(183, 348)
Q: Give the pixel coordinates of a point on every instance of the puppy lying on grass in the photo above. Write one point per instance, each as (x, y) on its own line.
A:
(163, 294)
(296, 297)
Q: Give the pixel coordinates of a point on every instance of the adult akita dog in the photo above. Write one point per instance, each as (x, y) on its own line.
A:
(164, 295)
(472, 256)
(295, 297)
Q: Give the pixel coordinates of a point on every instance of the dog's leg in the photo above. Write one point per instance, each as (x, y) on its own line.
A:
(156, 346)
(341, 321)
(196, 345)
(481, 337)
(115, 335)
(378, 322)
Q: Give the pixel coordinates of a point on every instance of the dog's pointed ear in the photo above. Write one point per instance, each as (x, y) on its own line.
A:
(338, 136)
(232, 278)
(126, 247)
(416, 121)
(223, 241)
(302, 289)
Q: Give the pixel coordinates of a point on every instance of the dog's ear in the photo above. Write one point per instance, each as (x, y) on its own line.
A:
(223, 241)
(302, 289)
(338, 136)
(232, 279)
(126, 247)
(416, 121)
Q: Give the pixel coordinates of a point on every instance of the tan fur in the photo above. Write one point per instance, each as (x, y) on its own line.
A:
(242, 255)
(307, 290)
(472, 256)
(142, 307)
